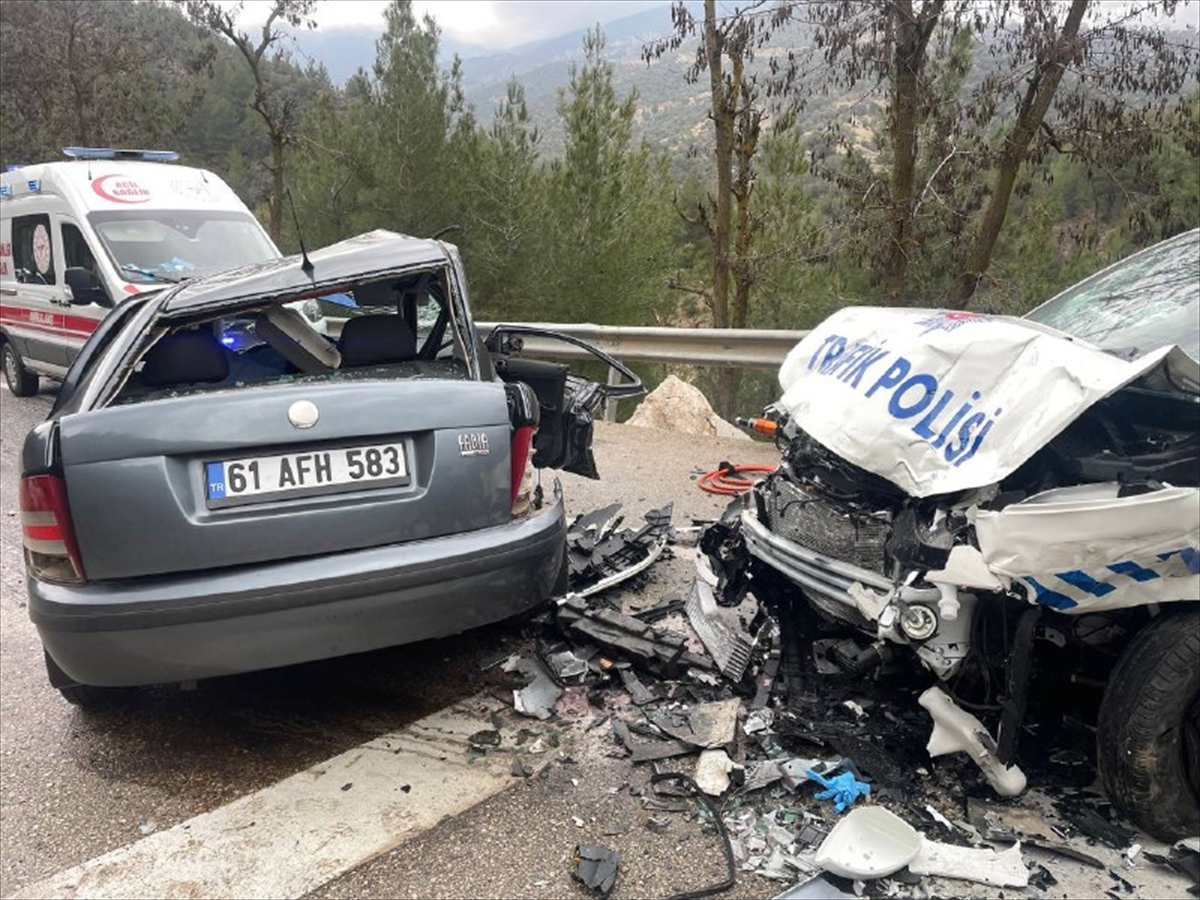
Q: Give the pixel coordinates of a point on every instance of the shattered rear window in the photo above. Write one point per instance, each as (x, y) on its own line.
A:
(390, 329)
(1142, 303)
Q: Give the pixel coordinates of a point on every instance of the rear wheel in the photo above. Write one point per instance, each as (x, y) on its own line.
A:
(21, 381)
(1148, 742)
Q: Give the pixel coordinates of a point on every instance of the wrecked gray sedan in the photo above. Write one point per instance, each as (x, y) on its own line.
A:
(297, 460)
(1012, 504)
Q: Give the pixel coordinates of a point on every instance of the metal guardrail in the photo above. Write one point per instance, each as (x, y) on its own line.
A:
(742, 348)
(739, 348)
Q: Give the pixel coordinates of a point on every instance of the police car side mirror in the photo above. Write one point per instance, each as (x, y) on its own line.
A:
(85, 287)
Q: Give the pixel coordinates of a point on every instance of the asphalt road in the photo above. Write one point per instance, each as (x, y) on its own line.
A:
(74, 785)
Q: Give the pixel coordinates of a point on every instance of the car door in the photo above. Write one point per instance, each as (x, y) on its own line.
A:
(568, 402)
(79, 318)
(36, 300)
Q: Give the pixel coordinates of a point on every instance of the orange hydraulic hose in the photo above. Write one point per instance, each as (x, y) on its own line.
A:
(725, 480)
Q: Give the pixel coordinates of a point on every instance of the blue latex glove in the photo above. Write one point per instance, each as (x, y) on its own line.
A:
(843, 789)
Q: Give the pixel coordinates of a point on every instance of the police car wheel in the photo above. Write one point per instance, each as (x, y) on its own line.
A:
(1147, 743)
(20, 380)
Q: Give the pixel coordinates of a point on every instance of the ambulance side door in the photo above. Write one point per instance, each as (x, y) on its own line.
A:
(35, 300)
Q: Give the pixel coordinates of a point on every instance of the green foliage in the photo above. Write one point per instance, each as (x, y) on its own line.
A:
(76, 72)
(567, 205)
(611, 225)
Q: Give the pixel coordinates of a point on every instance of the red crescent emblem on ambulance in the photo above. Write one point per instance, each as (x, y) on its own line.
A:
(120, 189)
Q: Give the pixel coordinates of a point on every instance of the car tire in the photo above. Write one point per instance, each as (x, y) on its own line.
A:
(1148, 739)
(21, 381)
(85, 696)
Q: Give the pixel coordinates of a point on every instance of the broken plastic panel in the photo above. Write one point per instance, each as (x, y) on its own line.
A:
(869, 843)
(956, 729)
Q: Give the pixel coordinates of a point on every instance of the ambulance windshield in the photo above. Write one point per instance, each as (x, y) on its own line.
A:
(174, 245)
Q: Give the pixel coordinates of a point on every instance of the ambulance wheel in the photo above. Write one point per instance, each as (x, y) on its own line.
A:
(1148, 739)
(21, 381)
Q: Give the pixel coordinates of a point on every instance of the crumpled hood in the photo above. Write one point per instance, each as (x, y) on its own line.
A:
(937, 401)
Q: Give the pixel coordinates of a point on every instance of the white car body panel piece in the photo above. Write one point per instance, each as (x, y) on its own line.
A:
(1084, 549)
(956, 729)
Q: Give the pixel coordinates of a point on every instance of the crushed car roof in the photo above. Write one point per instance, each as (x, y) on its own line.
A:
(358, 258)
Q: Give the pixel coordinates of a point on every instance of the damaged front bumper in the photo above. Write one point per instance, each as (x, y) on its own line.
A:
(828, 579)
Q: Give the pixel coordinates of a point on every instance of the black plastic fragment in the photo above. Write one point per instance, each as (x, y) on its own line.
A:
(596, 866)
(730, 867)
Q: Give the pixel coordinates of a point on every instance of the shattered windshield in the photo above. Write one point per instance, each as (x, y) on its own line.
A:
(151, 246)
(1148, 301)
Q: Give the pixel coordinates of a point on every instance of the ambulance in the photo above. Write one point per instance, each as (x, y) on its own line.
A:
(80, 235)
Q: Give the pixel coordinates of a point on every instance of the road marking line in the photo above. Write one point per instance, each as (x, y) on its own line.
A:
(294, 836)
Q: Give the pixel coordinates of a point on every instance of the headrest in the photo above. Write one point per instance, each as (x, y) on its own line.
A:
(187, 357)
(371, 340)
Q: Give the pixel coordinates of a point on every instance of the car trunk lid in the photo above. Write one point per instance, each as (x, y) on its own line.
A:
(142, 479)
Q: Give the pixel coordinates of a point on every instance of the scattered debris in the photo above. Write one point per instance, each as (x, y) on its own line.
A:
(870, 842)
(956, 729)
(600, 557)
(1184, 857)
(646, 749)
(1068, 852)
(537, 698)
(712, 772)
(704, 725)
(486, 738)
(568, 664)
(817, 888)
(657, 650)
(842, 789)
(1006, 822)
(596, 867)
(640, 694)
(807, 715)
(1005, 869)
(661, 778)
(722, 630)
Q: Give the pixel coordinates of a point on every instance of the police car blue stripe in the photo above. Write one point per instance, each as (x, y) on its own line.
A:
(1134, 571)
(1046, 597)
(1086, 582)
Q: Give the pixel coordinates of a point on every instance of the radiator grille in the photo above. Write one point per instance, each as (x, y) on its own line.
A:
(817, 525)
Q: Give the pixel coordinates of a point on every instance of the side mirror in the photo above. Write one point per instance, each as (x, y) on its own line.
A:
(86, 287)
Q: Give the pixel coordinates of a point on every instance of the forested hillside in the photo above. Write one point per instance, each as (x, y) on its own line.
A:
(586, 188)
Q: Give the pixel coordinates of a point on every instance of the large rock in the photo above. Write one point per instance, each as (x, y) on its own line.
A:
(677, 406)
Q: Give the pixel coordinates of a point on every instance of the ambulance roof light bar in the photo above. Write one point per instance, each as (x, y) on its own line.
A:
(111, 153)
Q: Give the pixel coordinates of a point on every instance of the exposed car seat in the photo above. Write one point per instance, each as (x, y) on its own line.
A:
(187, 357)
(374, 340)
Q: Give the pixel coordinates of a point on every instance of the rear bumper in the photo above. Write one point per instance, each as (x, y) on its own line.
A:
(203, 625)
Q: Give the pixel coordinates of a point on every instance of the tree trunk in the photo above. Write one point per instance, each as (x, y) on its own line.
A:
(1029, 118)
(275, 203)
(722, 116)
(911, 39)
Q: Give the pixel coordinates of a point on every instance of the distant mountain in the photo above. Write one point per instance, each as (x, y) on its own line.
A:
(344, 50)
(541, 66)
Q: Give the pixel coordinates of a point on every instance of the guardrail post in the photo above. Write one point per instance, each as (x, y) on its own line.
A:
(610, 404)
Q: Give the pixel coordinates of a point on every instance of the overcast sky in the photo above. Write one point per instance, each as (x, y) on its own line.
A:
(493, 24)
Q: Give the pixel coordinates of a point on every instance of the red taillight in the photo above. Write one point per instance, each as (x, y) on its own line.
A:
(51, 553)
(522, 440)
